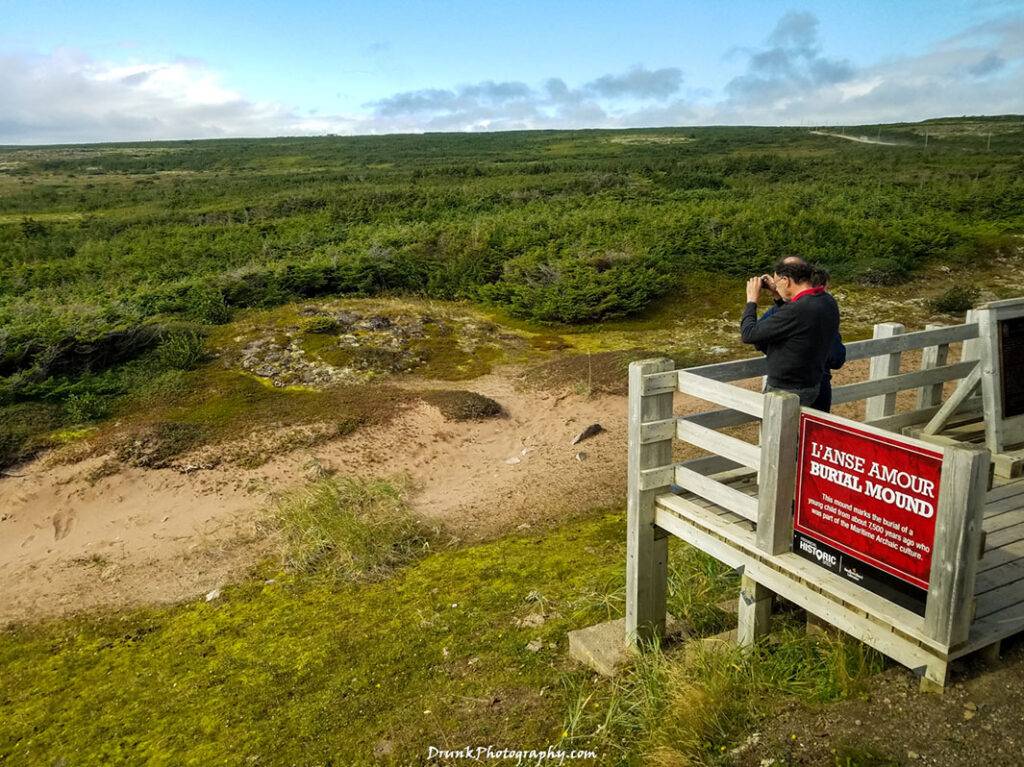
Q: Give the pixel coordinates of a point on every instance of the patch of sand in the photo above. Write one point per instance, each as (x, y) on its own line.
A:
(158, 535)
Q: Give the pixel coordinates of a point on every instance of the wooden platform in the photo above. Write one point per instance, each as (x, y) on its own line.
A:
(970, 430)
(999, 591)
(999, 587)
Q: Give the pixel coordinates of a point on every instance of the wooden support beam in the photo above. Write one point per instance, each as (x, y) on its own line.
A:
(646, 550)
(884, 366)
(755, 612)
(932, 357)
(958, 532)
(963, 390)
(777, 477)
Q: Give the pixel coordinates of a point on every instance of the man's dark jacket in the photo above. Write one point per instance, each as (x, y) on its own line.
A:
(835, 360)
(796, 338)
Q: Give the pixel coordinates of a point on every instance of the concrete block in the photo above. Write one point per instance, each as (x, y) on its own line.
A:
(603, 646)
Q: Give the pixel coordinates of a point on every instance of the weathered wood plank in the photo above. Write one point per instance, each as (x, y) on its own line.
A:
(797, 567)
(1005, 491)
(780, 433)
(721, 419)
(751, 367)
(724, 394)
(963, 390)
(999, 598)
(723, 495)
(657, 431)
(659, 383)
(900, 421)
(882, 366)
(646, 550)
(958, 526)
(907, 645)
(888, 387)
(722, 444)
(872, 347)
(755, 611)
(932, 357)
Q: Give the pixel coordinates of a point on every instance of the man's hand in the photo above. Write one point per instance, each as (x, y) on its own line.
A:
(753, 289)
(769, 284)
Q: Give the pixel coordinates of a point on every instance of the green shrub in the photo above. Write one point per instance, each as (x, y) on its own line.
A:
(957, 300)
(181, 350)
(457, 405)
(85, 407)
(576, 290)
(348, 528)
(320, 325)
(206, 304)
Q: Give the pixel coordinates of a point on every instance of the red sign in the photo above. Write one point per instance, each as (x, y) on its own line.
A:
(871, 497)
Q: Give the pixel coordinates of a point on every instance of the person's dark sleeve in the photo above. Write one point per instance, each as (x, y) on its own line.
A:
(780, 324)
(763, 348)
(837, 353)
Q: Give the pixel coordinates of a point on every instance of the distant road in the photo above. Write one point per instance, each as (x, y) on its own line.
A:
(858, 139)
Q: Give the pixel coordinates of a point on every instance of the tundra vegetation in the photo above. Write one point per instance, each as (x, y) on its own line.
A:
(159, 297)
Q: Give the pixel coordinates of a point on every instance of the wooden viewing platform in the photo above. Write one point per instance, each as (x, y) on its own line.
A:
(939, 577)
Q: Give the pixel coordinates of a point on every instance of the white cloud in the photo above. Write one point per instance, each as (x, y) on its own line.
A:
(67, 96)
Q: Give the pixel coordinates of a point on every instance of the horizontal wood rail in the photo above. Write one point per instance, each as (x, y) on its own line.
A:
(744, 400)
(752, 367)
(724, 445)
(723, 495)
(900, 382)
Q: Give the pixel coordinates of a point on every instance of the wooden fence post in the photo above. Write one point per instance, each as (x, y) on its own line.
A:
(753, 620)
(932, 357)
(776, 482)
(646, 546)
(957, 538)
(883, 366)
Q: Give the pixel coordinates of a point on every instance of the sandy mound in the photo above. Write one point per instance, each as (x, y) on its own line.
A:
(74, 539)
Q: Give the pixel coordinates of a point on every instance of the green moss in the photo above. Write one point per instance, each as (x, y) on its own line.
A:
(445, 360)
(300, 671)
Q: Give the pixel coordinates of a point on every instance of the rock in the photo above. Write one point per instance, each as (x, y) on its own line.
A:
(211, 595)
(718, 350)
(581, 457)
(533, 620)
(591, 431)
(969, 715)
(513, 460)
(971, 705)
(912, 755)
(535, 645)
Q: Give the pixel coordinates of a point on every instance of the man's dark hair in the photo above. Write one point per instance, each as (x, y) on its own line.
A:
(820, 277)
(799, 272)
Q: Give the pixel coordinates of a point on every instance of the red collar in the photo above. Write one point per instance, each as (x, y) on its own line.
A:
(809, 292)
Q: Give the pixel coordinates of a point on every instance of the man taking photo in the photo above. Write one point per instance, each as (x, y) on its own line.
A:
(797, 337)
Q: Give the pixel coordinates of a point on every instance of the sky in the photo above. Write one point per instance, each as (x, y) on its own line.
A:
(126, 71)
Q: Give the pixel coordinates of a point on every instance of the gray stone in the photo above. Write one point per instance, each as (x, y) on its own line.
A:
(591, 431)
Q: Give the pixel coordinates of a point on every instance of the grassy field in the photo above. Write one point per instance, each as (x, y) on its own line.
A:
(158, 299)
(109, 252)
(367, 641)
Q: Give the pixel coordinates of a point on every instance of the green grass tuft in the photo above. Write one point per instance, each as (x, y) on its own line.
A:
(349, 528)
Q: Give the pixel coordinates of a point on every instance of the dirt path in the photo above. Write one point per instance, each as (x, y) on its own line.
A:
(142, 536)
(858, 139)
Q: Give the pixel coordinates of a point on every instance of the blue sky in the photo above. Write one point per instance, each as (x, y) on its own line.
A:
(116, 71)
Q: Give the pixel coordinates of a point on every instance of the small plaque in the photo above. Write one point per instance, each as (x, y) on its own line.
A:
(1011, 363)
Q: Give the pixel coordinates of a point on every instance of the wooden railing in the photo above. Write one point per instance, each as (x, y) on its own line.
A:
(652, 472)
